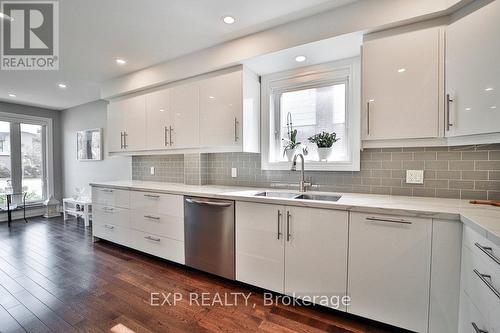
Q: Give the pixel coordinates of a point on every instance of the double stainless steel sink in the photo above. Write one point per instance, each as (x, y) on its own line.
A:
(298, 196)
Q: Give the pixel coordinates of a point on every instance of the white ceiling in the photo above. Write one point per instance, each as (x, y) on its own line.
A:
(95, 32)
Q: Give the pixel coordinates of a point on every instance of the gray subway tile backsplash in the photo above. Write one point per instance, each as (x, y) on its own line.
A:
(467, 172)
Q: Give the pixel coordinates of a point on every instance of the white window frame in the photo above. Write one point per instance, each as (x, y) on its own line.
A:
(342, 71)
(47, 147)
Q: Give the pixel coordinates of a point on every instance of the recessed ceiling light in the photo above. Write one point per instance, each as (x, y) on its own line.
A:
(62, 85)
(468, 109)
(211, 97)
(12, 95)
(401, 70)
(371, 100)
(489, 89)
(493, 107)
(228, 19)
(120, 61)
(6, 17)
(162, 110)
(300, 58)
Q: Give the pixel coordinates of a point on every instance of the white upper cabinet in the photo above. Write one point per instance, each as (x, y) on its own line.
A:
(158, 119)
(184, 116)
(127, 124)
(473, 72)
(220, 113)
(401, 87)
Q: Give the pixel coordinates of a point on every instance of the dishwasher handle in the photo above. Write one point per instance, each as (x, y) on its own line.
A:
(209, 203)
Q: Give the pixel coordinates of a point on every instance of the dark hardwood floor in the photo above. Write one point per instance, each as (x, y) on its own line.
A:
(54, 279)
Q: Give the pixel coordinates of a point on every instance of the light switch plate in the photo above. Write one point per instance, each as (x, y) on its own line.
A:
(234, 173)
(152, 170)
(414, 176)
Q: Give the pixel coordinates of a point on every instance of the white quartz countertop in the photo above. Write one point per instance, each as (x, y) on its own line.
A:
(483, 219)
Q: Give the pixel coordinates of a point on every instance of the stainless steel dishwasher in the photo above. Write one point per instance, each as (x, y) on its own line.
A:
(209, 235)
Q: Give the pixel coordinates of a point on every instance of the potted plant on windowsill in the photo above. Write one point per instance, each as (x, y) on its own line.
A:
(290, 145)
(324, 141)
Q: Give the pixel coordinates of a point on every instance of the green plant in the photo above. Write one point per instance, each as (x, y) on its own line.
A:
(292, 142)
(324, 139)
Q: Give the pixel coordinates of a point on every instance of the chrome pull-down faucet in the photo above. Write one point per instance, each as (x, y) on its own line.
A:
(303, 184)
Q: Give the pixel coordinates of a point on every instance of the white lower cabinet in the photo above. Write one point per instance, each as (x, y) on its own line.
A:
(149, 222)
(293, 250)
(389, 269)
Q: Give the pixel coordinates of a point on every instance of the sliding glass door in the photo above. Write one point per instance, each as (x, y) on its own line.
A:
(23, 159)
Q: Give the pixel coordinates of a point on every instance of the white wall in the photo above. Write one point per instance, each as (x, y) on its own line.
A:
(80, 174)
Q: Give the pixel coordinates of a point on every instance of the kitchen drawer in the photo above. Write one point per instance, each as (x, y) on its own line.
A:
(470, 316)
(155, 203)
(107, 214)
(483, 247)
(112, 233)
(170, 226)
(159, 246)
(110, 197)
(481, 290)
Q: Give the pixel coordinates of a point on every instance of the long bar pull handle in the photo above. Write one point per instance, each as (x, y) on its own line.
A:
(375, 219)
(156, 218)
(166, 136)
(448, 101)
(236, 129)
(121, 140)
(489, 252)
(171, 130)
(288, 233)
(279, 222)
(487, 281)
(125, 145)
(152, 196)
(368, 118)
(109, 226)
(209, 203)
(106, 190)
(477, 329)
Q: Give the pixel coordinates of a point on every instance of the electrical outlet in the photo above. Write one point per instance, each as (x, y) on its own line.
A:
(234, 173)
(152, 170)
(414, 176)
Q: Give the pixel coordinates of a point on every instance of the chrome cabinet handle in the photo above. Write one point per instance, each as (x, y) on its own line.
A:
(152, 217)
(288, 233)
(125, 145)
(108, 226)
(166, 136)
(209, 203)
(121, 140)
(477, 329)
(375, 219)
(107, 190)
(487, 281)
(279, 222)
(109, 209)
(152, 196)
(171, 130)
(368, 118)
(236, 129)
(448, 101)
(153, 238)
(489, 252)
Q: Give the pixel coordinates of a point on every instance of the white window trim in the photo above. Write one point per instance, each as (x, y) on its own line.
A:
(49, 151)
(331, 72)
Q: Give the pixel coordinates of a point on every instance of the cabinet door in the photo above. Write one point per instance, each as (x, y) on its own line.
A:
(184, 107)
(116, 125)
(316, 254)
(473, 73)
(389, 269)
(260, 245)
(401, 86)
(135, 123)
(158, 119)
(220, 110)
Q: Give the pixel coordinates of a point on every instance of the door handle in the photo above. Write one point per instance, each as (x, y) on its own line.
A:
(156, 218)
(209, 203)
(236, 129)
(125, 140)
(288, 233)
(121, 140)
(108, 226)
(152, 196)
(171, 130)
(166, 136)
(368, 118)
(374, 219)
(279, 223)
(448, 101)
(477, 329)
(487, 281)
(153, 238)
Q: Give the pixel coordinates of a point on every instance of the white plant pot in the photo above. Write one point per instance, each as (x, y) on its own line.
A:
(289, 153)
(324, 153)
